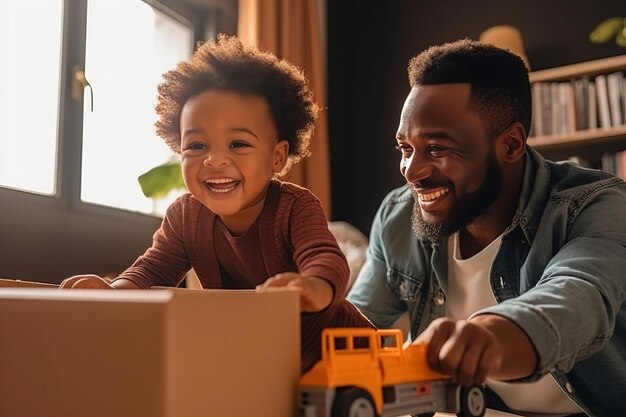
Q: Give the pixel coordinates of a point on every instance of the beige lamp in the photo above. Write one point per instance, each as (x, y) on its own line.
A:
(506, 37)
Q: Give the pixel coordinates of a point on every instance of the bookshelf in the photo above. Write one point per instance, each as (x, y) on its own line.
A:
(572, 117)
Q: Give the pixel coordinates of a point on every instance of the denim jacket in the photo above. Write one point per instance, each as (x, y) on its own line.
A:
(560, 274)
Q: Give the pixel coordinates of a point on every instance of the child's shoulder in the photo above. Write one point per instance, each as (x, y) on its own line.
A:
(187, 204)
(289, 189)
(287, 197)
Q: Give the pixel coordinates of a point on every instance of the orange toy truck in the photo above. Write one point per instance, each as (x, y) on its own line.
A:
(367, 373)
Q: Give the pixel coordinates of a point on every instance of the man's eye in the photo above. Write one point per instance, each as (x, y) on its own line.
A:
(436, 150)
(404, 150)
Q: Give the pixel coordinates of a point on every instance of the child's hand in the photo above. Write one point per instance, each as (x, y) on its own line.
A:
(86, 281)
(315, 293)
(91, 281)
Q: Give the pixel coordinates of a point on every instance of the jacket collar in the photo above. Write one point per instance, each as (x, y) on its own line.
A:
(534, 195)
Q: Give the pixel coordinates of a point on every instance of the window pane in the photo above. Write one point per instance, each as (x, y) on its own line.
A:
(30, 50)
(129, 46)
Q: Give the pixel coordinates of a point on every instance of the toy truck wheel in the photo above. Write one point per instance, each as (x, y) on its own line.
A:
(353, 402)
(472, 402)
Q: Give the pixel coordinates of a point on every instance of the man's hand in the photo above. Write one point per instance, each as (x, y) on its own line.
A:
(315, 293)
(472, 350)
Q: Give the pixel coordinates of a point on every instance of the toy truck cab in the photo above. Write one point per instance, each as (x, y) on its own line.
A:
(367, 373)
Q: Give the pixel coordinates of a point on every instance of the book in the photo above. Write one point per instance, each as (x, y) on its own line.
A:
(602, 93)
(614, 81)
(546, 109)
(569, 108)
(608, 163)
(555, 100)
(622, 92)
(592, 108)
(537, 125)
(581, 102)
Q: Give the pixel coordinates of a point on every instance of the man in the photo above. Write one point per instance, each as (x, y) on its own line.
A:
(514, 271)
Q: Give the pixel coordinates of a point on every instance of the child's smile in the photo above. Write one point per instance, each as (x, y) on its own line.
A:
(222, 185)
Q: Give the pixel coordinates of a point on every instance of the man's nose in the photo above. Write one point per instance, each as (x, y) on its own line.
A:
(416, 168)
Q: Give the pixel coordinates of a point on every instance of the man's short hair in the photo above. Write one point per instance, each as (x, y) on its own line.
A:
(500, 89)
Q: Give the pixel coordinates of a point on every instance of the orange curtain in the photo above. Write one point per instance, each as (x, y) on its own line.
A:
(292, 31)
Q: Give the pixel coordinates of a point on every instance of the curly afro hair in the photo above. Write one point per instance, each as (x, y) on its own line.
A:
(500, 90)
(229, 65)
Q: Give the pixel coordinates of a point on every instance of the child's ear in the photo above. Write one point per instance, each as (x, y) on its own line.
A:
(281, 153)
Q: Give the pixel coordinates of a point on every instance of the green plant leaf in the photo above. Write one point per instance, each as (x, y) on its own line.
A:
(620, 39)
(160, 180)
(608, 29)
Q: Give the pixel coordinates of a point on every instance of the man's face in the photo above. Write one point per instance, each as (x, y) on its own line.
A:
(447, 159)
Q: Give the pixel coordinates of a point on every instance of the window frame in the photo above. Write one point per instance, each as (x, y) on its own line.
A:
(37, 226)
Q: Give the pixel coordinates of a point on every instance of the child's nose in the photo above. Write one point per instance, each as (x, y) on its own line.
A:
(215, 159)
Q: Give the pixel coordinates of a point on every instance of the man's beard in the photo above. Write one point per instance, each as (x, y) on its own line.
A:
(466, 210)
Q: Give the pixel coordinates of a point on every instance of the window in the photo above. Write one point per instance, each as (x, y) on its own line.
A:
(124, 67)
(29, 100)
(128, 45)
(70, 201)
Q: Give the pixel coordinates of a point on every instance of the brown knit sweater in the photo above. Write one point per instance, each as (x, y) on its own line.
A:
(294, 237)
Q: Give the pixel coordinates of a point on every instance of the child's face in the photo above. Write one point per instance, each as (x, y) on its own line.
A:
(230, 151)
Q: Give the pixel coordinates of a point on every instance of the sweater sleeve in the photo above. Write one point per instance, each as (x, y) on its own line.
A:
(315, 250)
(166, 262)
(344, 314)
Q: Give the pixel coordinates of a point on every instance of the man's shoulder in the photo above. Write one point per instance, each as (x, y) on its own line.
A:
(571, 181)
(399, 196)
(396, 209)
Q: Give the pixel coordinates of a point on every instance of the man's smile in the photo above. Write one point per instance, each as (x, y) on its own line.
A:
(432, 195)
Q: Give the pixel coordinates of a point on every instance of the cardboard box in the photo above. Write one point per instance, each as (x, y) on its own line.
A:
(18, 283)
(148, 353)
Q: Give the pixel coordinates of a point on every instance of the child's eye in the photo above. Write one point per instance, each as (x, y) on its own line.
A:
(197, 146)
(239, 144)
(194, 148)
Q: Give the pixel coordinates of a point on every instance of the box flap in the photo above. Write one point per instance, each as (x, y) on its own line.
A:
(26, 284)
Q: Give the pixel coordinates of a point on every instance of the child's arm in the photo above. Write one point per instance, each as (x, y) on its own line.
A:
(322, 270)
(164, 263)
(315, 249)
(315, 293)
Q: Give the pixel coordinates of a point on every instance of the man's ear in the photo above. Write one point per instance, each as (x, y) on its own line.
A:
(281, 153)
(513, 143)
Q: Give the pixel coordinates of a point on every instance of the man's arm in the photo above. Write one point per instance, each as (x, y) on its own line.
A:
(370, 292)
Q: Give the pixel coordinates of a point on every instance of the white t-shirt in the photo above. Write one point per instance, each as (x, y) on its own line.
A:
(469, 290)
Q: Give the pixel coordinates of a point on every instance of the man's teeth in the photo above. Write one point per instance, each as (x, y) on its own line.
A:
(432, 196)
